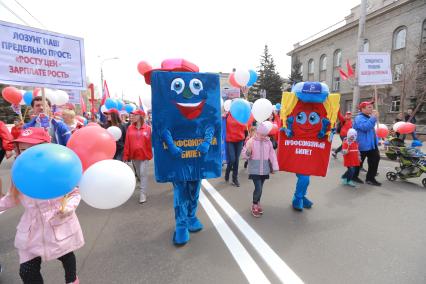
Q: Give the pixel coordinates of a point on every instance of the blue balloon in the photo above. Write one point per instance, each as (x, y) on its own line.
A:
(253, 78)
(47, 171)
(120, 104)
(110, 103)
(240, 110)
(28, 97)
(129, 108)
(278, 106)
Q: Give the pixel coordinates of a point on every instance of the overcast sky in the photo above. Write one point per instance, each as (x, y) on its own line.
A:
(216, 35)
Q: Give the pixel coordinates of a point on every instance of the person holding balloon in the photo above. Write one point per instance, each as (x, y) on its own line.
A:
(138, 149)
(73, 124)
(57, 129)
(368, 143)
(113, 119)
(49, 228)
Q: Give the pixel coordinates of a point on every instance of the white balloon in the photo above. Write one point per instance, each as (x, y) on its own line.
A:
(115, 132)
(107, 184)
(262, 109)
(397, 125)
(268, 125)
(22, 92)
(227, 105)
(50, 95)
(62, 97)
(104, 109)
(242, 77)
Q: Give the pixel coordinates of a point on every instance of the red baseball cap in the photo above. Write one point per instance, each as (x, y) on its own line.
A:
(111, 111)
(139, 112)
(175, 65)
(364, 104)
(34, 135)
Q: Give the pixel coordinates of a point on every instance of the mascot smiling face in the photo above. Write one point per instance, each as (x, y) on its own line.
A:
(189, 96)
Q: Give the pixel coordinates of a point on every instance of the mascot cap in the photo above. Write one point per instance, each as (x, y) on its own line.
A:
(176, 65)
(311, 92)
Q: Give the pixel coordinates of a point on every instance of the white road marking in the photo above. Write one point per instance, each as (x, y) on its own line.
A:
(251, 270)
(277, 265)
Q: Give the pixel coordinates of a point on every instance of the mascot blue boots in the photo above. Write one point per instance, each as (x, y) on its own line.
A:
(186, 138)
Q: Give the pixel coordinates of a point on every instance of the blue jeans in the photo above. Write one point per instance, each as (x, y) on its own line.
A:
(258, 186)
(233, 152)
(349, 174)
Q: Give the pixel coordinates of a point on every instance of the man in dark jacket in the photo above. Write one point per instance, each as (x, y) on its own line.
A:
(368, 144)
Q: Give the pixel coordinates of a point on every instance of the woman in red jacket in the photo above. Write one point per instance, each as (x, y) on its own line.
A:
(345, 124)
(235, 135)
(138, 149)
(6, 142)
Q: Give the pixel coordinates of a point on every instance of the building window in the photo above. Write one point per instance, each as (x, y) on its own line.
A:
(348, 106)
(336, 83)
(424, 32)
(337, 60)
(397, 72)
(399, 38)
(323, 68)
(366, 45)
(301, 70)
(396, 102)
(311, 68)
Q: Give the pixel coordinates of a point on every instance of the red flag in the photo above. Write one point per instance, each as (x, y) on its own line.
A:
(83, 104)
(343, 74)
(350, 70)
(105, 93)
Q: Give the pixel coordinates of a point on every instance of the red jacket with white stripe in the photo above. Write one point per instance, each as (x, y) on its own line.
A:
(138, 144)
(5, 137)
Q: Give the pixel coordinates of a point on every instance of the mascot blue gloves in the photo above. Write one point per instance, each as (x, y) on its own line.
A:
(186, 138)
(308, 114)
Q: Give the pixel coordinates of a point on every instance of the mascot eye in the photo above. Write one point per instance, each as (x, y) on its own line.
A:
(178, 85)
(314, 118)
(196, 86)
(301, 117)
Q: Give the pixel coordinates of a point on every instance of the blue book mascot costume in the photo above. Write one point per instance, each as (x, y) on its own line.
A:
(186, 136)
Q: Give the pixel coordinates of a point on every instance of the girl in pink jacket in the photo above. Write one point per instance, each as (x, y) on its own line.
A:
(48, 229)
(262, 160)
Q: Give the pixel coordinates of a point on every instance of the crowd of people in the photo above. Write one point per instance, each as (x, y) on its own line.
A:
(256, 143)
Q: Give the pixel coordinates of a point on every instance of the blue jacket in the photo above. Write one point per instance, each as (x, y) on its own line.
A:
(364, 125)
(61, 132)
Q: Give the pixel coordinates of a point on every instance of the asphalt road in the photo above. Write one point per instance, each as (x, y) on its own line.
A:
(363, 235)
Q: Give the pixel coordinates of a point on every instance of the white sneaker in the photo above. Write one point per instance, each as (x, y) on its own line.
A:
(142, 198)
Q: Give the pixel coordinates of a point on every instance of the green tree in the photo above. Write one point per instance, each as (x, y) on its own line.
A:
(296, 74)
(268, 79)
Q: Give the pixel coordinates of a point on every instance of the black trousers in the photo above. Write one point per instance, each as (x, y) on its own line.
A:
(373, 159)
(30, 270)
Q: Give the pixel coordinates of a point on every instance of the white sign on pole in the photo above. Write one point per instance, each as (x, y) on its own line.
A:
(39, 58)
(374, 68)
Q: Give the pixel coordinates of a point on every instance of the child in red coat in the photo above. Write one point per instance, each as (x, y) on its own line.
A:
(351, 158)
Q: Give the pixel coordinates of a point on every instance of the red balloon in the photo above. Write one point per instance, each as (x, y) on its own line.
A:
(93, 124)
(12, 95)
(92, 144)
(406, 128)
(382, 132)
(144, 67)
(36, 92)
(232, 81)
